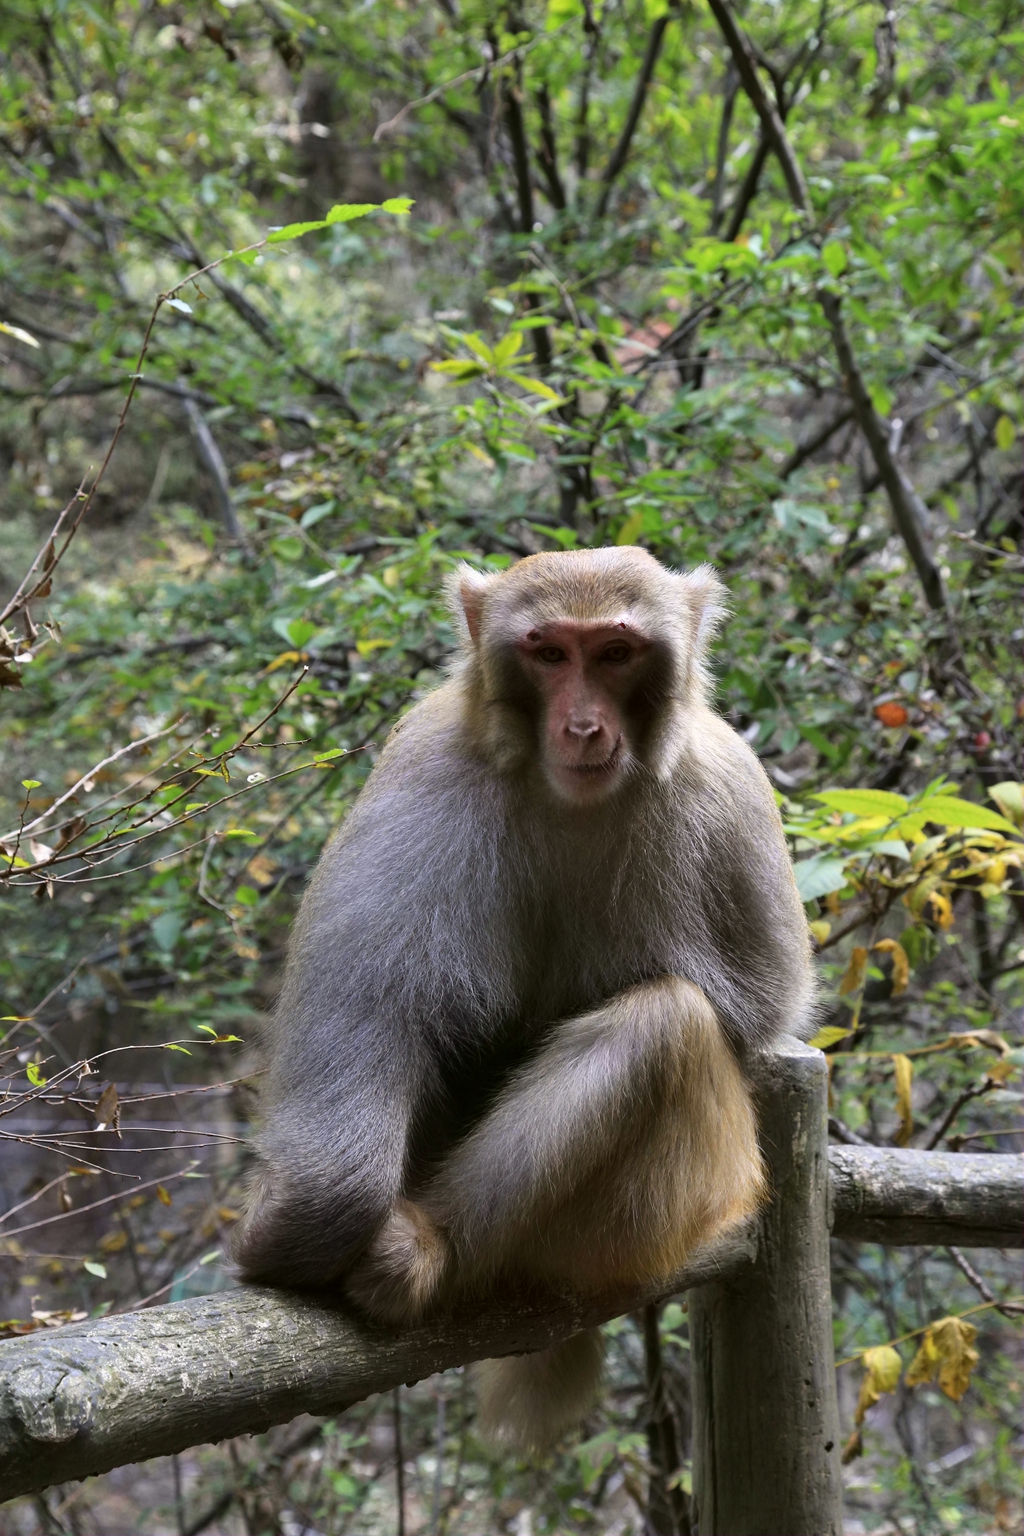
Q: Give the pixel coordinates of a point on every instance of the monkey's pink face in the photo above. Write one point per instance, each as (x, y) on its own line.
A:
(584, 675)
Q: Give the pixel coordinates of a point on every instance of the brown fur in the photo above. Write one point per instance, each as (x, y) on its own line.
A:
(508, 1053)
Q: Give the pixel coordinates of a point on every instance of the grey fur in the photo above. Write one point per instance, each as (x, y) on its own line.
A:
(511, 1010)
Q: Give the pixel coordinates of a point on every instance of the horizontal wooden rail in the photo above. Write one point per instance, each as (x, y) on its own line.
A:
(81, 1399)
(906, 1199)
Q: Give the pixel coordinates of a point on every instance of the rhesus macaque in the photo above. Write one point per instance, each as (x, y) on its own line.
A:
(508, 1052)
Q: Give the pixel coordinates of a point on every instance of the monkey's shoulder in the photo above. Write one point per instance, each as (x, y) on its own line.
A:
(713, 756)
(429, 738)
(430, 803)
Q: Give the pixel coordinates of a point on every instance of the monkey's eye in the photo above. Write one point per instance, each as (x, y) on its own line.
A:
(617, 653)
(550, 655)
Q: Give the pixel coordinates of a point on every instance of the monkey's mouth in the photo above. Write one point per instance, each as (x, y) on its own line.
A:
(580, 774)
(597, 770)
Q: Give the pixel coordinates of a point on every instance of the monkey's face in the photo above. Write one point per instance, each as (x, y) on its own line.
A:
(582, 664)
(583, 677)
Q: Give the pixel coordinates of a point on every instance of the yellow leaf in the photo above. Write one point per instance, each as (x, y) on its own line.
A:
(903, 1069)
(283, 660)
(820, 930)
(946, 1352)
(163, 1195)
(391, 575)
(882, 1366)
(855, 972)
(853, 1448)
(939, 910)
(261, 869)
(900, 964)
(830, 1035)
(1002, 1071)
(990, 1039)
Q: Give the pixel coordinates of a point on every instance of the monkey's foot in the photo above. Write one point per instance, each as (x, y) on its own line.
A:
(399, 1275)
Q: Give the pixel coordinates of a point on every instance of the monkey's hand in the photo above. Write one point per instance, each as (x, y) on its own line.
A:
(399, 1274)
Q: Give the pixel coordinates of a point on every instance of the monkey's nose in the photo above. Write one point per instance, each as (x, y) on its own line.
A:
(584, 729)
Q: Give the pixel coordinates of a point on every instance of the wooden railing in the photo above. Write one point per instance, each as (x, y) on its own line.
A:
(85, 1398)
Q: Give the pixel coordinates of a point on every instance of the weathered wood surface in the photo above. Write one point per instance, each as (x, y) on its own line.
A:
(905, 1198)
(765, 1412)
(82, 1399)
(79, 1400)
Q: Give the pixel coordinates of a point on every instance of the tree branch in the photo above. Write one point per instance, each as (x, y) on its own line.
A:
(908, 510)
(620, 153)
(548, 156)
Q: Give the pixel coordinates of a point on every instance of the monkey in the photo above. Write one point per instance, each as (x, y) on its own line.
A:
(508, 1054)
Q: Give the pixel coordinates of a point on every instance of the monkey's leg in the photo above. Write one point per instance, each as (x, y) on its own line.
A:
(401, 1271)
(628, 1140)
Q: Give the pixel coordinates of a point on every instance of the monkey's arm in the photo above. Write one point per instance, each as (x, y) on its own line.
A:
(385, 959)
(332, 1148)
(748, 944)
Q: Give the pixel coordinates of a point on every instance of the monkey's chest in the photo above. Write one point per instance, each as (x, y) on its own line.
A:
(591, 940)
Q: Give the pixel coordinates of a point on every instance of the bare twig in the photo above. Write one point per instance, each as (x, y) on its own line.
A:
(213, 460)
(46, 816)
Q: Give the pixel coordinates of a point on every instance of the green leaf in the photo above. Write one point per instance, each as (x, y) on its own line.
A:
(819, 876)
(95, 1268)
(289, 549)
(507, 348)
(167, 930)
(833, 254)
(34, 1073)
(632, 528)
(315, 514)
(535, 386)
(299, 632)
(1009, 796)
(341, 213)
(1006, 433)
(950, 811)
(864, 802)
(459, 369)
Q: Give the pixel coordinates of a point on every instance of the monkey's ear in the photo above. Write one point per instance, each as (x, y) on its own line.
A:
(467, 590)
(708, 603)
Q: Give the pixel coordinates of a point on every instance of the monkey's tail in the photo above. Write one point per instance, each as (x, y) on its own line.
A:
(526, 1402)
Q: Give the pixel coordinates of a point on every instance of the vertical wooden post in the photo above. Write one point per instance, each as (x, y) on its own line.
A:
(766, 1420)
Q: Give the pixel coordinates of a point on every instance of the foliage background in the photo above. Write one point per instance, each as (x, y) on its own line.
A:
(740, 285)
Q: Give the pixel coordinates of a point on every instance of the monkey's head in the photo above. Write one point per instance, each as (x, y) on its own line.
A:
(583, 664)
